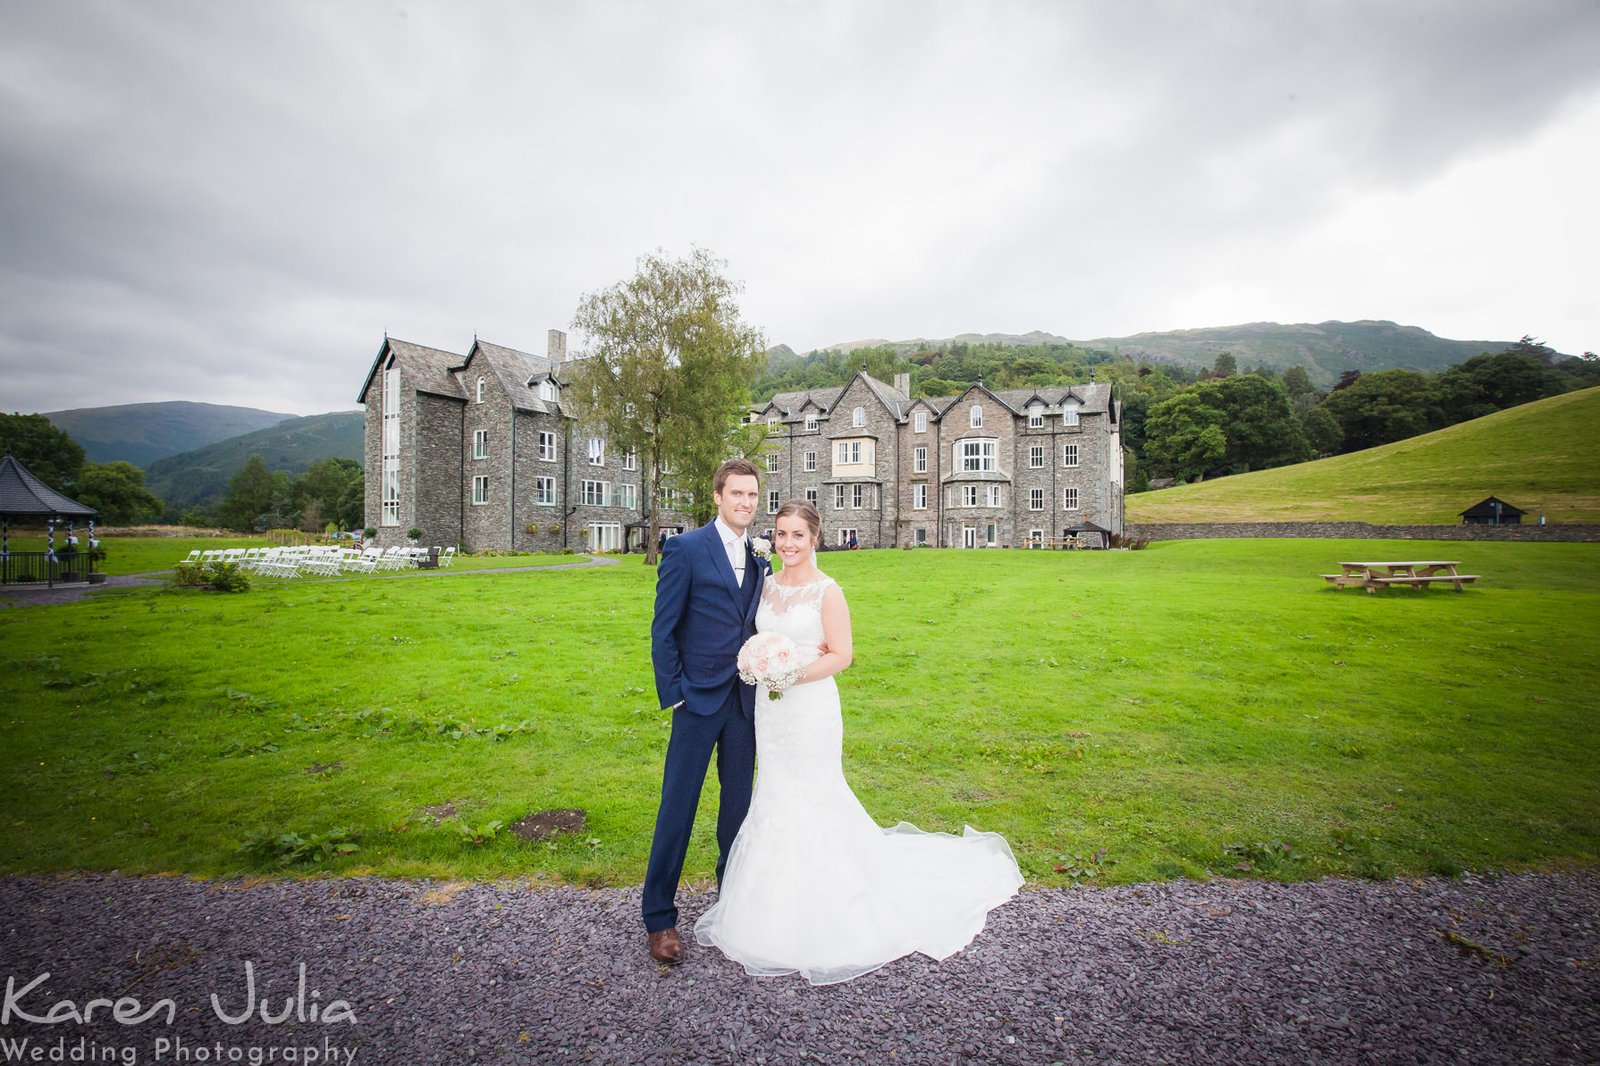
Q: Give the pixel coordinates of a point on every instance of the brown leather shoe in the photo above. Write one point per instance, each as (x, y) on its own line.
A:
(666, 946)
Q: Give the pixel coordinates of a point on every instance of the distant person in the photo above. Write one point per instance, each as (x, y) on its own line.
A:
(853, 545)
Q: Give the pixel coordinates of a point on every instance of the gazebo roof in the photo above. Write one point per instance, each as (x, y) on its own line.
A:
(24, 496)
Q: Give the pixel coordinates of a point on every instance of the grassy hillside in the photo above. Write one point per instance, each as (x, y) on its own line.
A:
(200, 477)
(141, 433)
(1543, 457)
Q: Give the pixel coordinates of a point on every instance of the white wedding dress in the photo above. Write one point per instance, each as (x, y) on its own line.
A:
(813, 885)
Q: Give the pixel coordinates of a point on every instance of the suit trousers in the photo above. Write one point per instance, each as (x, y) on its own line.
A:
(688, 757)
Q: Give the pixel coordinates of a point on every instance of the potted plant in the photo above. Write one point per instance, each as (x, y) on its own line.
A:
(413, 535)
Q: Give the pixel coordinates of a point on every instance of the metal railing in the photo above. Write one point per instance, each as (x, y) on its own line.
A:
(27, 568)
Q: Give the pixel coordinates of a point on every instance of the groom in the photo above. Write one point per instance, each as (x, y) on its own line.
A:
(707, 589)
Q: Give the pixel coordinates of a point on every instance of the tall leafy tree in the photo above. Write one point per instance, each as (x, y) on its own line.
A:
(117, 491)
(668, 375)
(1383, 407)
(257, 496)
(1183, 436)
(1259, 421)
(1485, 384)
(1225, 366)
(1297, 381)
(46, 450)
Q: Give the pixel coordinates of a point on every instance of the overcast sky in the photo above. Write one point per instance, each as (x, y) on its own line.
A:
(232, 202)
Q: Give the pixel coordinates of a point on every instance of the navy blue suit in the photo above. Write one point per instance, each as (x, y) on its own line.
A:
(702, 618)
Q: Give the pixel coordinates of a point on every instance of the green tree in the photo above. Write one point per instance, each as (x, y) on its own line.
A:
(1261, 426)
(46, 450)
(258, 497)
(668, 375)
(1387, 406)
(117, 491)
(1225, 366)
(1322, 431)
(320, 492)
(1297, 381)
(1486, 383)
(1183, 437)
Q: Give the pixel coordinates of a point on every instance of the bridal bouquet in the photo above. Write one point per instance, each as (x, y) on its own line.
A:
(770, 659)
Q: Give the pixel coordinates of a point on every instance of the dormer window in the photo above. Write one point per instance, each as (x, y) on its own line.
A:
(772, 421)
(811, 423)
(1069, 413)
(1035, 415)
(977, 416)
(547, 389)
(480, 390)
(858, 417)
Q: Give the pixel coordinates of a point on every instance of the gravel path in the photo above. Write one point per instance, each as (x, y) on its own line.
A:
(1471, 970)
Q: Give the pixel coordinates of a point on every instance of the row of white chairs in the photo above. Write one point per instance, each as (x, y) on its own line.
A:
(327, 561)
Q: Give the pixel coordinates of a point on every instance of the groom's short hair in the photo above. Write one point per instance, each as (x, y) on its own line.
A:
(729, 469)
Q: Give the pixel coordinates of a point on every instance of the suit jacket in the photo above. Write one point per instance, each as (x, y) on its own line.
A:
(703, 617)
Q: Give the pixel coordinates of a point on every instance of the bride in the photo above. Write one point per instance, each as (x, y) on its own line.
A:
(813, 885)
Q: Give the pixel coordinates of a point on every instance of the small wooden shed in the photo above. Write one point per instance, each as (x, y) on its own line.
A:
(1492, 512)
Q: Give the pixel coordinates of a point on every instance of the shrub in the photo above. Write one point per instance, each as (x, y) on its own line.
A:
(218, 576)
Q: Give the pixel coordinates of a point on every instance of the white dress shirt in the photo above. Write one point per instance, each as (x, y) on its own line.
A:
(735, 545)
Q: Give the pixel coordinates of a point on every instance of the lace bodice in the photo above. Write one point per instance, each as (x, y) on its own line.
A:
(794, 612)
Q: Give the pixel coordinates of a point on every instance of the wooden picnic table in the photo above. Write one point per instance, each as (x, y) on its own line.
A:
(1417, 574)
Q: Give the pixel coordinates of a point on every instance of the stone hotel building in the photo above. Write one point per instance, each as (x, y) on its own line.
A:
(480, 450)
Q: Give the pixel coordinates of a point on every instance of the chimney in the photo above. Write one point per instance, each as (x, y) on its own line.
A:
(902, 384)
(556, 346)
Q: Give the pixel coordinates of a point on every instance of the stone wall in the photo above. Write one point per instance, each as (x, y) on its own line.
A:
(1359, 531)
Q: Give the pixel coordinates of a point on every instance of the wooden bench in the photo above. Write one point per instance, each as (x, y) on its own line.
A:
(1419, 575)
(1418, 582)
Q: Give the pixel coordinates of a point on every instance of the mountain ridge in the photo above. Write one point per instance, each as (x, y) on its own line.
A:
(199, 478)
(142, 433)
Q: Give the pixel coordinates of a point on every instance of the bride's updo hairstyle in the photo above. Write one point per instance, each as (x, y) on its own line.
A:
(807, 514)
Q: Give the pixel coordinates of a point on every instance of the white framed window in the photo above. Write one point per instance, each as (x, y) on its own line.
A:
(1069, 414)
(544, 491)
(1069, 498)
(628, 496)
(969, 495)
(391, 447)
(480, 490)
(772, 462)
(919, 459)
(605, 536)
(480, 390)
(1036, 499)
(838, 497)
(919, 497)
(991, 496)
(1036, 455)
(547, 446)
(772, 501)
(919, 422)
(773, 421)
(597, 452)
(977, 453)
(858, 417)
(1035, 538)
(846, 536)
(1069, 455)
(977, 416)
(547, 390)
(919, 536)
(857, 495)
(480, 444)
(630, 459)
(849, 451)
(811, 423)
(808, 461)
(597, 493)
(990, 531)
(811, 497)
(1035, 416)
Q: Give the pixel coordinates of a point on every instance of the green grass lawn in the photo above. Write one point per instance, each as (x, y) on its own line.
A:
(1543, 457)
(1198, 708)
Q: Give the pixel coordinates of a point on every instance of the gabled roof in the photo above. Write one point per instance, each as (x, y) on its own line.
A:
(514, 370)
(896, 401)
(24, 496)
(1487, 507)
(424, 369)
(790, 403)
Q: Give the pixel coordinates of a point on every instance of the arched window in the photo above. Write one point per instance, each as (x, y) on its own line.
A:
(858, 417)
(480, 390)
(977, 416)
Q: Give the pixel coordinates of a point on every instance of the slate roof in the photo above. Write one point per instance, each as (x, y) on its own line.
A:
(425, 369)
(24, 496)
(1092, 398)
(515, 370)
